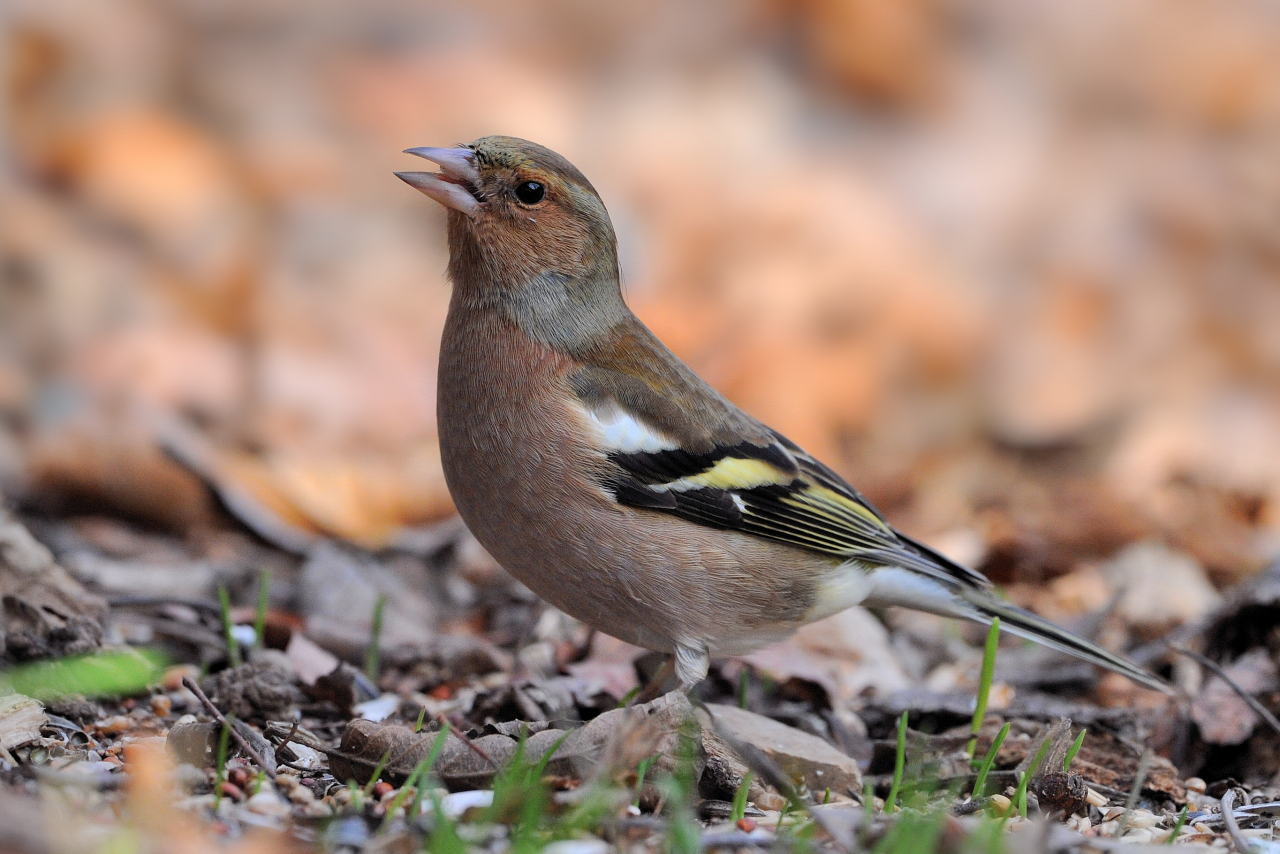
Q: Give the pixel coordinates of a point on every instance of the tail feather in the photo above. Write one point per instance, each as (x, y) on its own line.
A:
(1027, 625)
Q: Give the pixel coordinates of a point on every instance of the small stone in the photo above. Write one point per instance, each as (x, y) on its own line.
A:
(1000, 804)
(382, 788)
(189, 776)
(231, 790)
(161, 705)
(172, 678)
(1094, 799)
(746, 825)
(1143, 819)
(800, 755)
(268, 802)
(115, 725)
(590, 845)
(1196, 785)
(456, 804)
(771, 801)
(238, 776)
(302, 795)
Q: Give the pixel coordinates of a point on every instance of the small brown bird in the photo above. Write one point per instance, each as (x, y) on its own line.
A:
(613, 481)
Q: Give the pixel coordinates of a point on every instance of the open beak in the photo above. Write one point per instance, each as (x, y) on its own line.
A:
(455, 185)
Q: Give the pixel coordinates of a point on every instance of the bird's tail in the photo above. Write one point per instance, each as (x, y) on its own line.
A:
(1016, 621)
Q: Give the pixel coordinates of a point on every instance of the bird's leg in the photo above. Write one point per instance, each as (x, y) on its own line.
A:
(657, 686)
(692, 663)
(688, 665)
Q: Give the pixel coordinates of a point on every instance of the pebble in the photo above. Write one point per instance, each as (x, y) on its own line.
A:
(1000, 804)
(302, 795)
(172, 678)
(189, 776)
(746, 825)
(1195, 784)
(590, 845)
(161, 705)
(238, 776)
(231, 790)
(457, 803)
(267, 802)
(1143, 819)
(771, 801)
(1095, 799)
(1078, 823)
(382, 788)
(115, 725)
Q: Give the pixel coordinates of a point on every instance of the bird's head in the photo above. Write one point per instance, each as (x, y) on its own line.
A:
(519, 215)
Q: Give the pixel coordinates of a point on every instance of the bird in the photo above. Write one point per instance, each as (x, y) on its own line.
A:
(613, 481)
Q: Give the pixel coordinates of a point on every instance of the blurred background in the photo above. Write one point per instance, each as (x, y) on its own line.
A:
(1010, 267)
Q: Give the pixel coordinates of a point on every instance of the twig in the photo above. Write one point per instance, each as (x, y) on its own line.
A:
(453, 728)
(1229, 819)
(190, 685)
(1218, 671)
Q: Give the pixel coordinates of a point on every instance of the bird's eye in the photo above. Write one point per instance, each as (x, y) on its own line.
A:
(530, 192)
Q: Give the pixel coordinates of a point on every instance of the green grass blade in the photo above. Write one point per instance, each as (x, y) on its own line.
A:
(437, 747)
(1020, 797)
(372, 665)
(1071, 753)
(641, 770)
(980, 784)
(740, 798)
(984, 684)
(899, 762)
(1177, 826)
(260, 615)
(222, 764)
(367, 789)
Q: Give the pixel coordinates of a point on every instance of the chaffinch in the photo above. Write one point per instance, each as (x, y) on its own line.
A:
(608, 477)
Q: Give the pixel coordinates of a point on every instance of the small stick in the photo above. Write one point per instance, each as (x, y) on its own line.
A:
(190, 685)
(1218, 671)
(1229, 819)
(444, 721)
